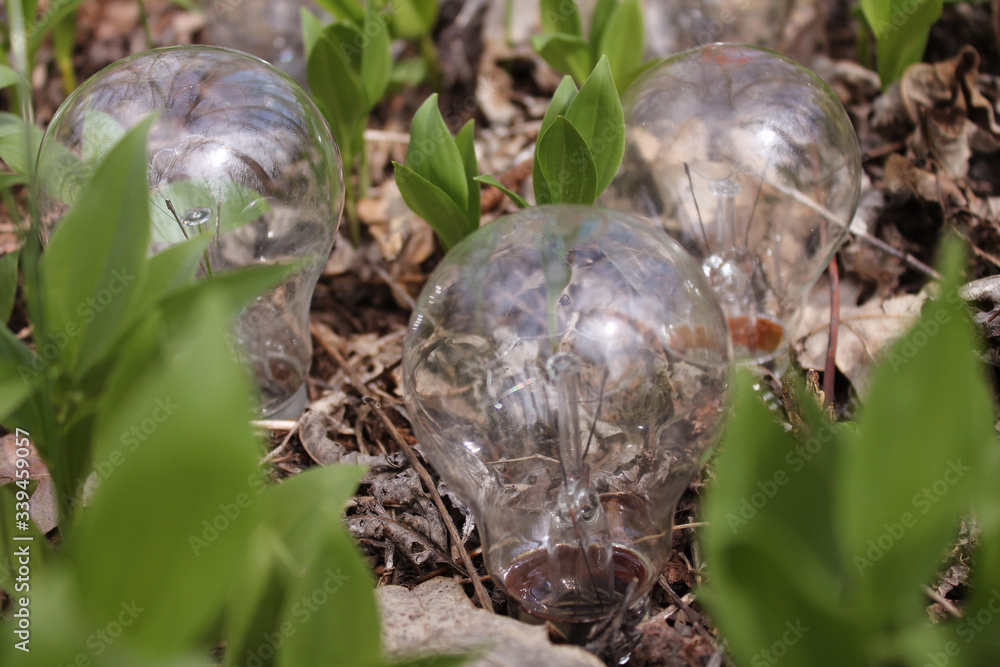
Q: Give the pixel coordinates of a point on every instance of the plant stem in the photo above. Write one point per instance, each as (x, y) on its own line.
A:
(45, 432)
(432, 64)
(351, 208)
(364, 173)
(144, 19)
(63, 37)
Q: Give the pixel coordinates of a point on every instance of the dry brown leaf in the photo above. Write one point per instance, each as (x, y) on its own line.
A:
(316, 442)
(942, 104)
(42, 506)
(901, 174)
(8, 243)
(874, 265)
(865, 330)
(404, 240)
(342, 259)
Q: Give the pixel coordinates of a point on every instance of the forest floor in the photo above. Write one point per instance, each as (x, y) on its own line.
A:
(931, 161)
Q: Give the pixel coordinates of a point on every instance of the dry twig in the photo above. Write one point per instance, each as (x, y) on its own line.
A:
(830, 370)
(325, 337)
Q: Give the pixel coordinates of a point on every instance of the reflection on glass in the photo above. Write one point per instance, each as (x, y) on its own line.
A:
(751, 162)
(238, 152)
(566, 369)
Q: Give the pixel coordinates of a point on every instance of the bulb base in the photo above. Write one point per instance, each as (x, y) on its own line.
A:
(289, 409)
(613, 638)
(608, 629)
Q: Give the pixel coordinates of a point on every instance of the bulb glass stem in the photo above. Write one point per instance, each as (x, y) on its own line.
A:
(725, 191)
(579, 547)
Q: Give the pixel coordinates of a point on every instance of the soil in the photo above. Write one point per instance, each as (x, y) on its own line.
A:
(361, 306)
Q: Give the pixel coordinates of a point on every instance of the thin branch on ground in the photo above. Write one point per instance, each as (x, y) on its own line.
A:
(830, 370)
(325, 337)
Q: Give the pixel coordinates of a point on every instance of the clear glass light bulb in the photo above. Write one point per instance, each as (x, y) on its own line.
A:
(749, 160)
(238, 152)
(566, 369)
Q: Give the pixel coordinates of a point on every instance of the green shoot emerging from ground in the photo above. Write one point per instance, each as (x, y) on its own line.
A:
(821, 539)
(579, 149)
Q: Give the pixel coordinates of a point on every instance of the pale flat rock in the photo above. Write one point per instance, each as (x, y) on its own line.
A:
(437, 617)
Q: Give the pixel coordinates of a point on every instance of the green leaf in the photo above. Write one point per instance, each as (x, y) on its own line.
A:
(901, 29)
(296, 497)
(337, 90)
(345, 10)
(254, 602)
(412, 19)
(596, 113)
(13, 351)
(89, 268)
(68, 635)
(101, 133)
(520, 201)
(13, 538)
(302, 514)
(467, 148)
(63, 40)
(376, 57)
(56, 641)
(332, 606)
(603, 10)
(433, 154)
(349, 40)
(623, 42)
(14, 390)
(145, 541)
(770, 507)
(10, 180)
(8, 77)
(980, 642)
(567, 164)
(561, 16)
(12, 493)
(930, 407)
(312, 30)
(564, 96)
(432, 204)
(565, 93)
(408, 72)
(39, 30)
(19, 142)
(170, 270)
(233, 290)
(564, 53)
(8, 284)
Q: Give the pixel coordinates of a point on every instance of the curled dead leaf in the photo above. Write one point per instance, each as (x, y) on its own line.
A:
(942, 110)
(866, 330)
(42, 506)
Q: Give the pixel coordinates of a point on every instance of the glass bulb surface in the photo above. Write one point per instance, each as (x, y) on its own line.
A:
(565, 370)
(268, 29)
(677, 25)
(751, 162)
(238, 152)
